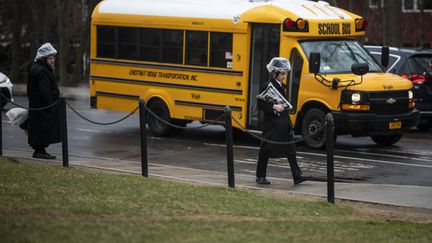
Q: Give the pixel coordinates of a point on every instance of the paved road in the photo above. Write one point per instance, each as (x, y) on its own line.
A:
(357, 160)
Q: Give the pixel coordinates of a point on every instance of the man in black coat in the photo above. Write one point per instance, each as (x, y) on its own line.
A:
(42, 90)
(277, 126)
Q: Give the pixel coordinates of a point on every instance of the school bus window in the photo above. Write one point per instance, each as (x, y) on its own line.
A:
(196, 48)
(221, 50)
(105, 42)
(128, 43)
(150, 41)
(173, 46)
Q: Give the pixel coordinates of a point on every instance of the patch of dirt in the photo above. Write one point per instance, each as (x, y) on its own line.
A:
(370, 211)
(390, 213)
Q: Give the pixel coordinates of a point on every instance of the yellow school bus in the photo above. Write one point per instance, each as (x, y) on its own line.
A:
(188, 59)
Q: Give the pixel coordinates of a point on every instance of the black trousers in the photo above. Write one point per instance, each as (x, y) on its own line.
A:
(39, 148)
(261, 170)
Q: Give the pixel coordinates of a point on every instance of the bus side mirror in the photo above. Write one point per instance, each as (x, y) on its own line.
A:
(314, 62)
(385, 55)
(360, 68)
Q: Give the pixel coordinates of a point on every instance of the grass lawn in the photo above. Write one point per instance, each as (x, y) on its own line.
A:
(49, 203)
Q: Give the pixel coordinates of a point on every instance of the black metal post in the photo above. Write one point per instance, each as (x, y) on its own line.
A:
(229, 144)
(143, 130)
(330, 162)
(1, 131)
(64, 136)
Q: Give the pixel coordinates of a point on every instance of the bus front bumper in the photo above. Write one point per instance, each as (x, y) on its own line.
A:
(374, 125)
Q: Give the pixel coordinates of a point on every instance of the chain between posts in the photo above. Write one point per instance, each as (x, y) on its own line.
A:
(214, 122)
(28, 108)
(102, 123)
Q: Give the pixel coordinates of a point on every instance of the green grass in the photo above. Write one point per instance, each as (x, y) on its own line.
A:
(50, 203)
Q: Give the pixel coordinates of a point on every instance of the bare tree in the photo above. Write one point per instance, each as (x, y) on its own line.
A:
(82, 51)
(422, 35)
(16, 27)
(392, 13)
(63, 11)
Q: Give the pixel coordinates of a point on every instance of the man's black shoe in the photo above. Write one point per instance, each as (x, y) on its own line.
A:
(43, 156)
(300, 179)
(262, 181)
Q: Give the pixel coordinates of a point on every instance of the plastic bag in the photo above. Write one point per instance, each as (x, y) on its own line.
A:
(17, 116)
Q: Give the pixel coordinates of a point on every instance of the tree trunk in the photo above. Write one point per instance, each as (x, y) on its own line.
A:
(422, 35)
(392, 13)
(91, 4)
(16, 41)
(83, 39)
(63, 33)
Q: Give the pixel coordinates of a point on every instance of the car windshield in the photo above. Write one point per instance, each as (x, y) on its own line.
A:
(417, 65)
(337, 56)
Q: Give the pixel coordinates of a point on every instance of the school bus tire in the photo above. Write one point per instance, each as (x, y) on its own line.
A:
(386, 140)
(157, 127)
(314, 120)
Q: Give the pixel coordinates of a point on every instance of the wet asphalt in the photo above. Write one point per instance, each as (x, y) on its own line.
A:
(357, 160)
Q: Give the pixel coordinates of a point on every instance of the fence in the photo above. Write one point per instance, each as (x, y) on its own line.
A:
(144, 110)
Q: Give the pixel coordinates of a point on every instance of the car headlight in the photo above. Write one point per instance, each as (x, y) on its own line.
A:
(410, 94)
(355, 98)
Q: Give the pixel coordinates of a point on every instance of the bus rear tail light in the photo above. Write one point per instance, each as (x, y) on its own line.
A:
(415, 78)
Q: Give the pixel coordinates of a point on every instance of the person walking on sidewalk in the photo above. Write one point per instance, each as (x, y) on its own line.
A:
(42, 90)
(277, 126)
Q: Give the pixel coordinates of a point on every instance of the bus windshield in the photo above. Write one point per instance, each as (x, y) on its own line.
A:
(337, 56)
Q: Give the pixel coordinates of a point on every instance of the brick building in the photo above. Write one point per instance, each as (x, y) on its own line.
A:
(415, 20)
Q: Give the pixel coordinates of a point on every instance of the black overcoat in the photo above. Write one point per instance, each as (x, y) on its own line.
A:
(276, 128)
(42, 90)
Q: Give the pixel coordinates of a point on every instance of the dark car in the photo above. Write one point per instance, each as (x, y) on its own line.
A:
(415, 65)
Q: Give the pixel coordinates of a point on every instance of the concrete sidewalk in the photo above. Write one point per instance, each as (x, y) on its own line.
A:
(398, 195)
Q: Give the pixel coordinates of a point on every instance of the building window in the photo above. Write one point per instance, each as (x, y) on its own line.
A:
(376, 3)
(425, 4)
(172, 46)
(416, 5)
(196, 48)
(221, 50)
(106, 42)
(408, 5)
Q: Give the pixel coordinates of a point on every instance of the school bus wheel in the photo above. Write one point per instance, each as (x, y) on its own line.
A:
(386, 140)
(157, 127)
(314, 122)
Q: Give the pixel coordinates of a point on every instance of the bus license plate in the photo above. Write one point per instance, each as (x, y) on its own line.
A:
(395, 125)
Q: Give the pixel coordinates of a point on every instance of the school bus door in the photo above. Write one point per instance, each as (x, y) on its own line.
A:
(264, 46)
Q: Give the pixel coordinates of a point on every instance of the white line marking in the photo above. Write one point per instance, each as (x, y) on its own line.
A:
(389, 155)
(340, 157)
